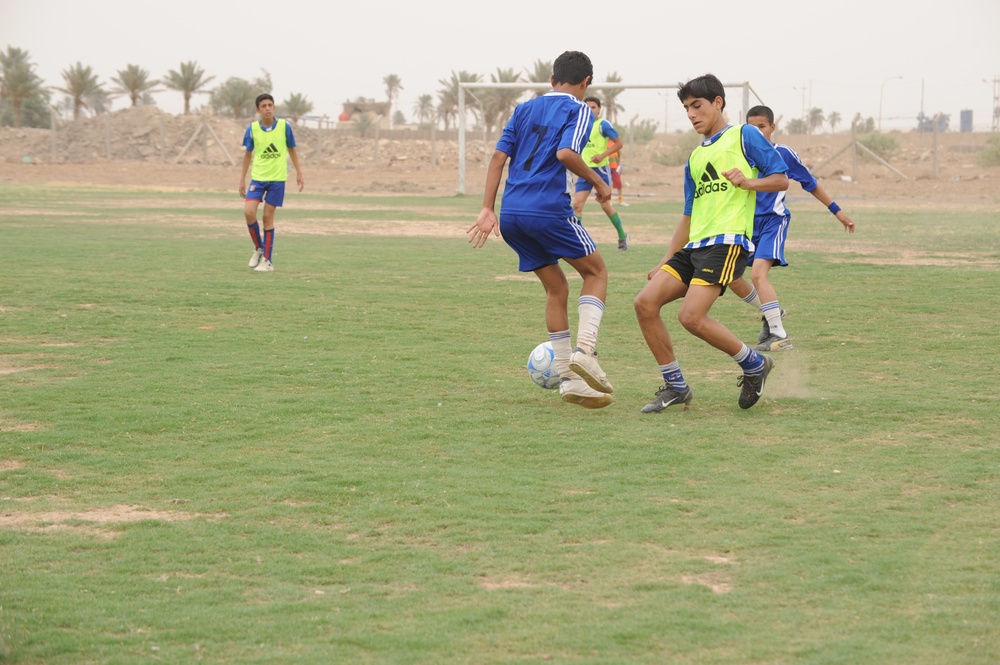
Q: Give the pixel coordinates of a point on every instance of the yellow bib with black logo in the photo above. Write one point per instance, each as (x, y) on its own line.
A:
(720, 207)
(270, 153)
(596, 144)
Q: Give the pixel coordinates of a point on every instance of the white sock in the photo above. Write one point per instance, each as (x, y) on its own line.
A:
(753, 299)
(772, 312)
(591, 311)
(564, 348)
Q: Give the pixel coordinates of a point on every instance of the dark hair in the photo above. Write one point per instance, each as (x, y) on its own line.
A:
(592, 98)
(704, 87)
(762, 111)
(261, 98)
(572, 67)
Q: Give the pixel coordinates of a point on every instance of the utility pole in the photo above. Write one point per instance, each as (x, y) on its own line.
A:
(996, 104)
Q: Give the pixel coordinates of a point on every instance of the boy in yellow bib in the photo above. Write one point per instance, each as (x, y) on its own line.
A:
(710, 246)
(269, 143)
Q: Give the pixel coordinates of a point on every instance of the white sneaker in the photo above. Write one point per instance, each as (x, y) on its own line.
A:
(264, 266)
(576, 391)
(586, 365)
(257, 255)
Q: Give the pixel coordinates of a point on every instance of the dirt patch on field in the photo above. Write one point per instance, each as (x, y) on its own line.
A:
(96, 521)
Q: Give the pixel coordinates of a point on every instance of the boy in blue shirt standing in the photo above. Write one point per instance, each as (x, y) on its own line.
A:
(770, 233)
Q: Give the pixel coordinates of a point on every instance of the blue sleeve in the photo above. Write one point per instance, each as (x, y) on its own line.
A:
(608, 130)
(761, 154)
(505, 143)
(797, 171)
(248, 139)
(289, 137)
(688, 190)
(576, 131)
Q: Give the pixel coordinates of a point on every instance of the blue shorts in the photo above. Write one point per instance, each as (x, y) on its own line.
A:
(269, 192)
(769, 235)
(542, 241)
(603, 171)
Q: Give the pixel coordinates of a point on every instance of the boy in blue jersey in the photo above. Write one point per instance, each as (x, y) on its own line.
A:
(543, 141)
(709, 248)
(769, 236)
(603, 144)
(267, 180)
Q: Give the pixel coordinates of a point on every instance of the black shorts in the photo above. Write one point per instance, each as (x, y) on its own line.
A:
(703, 266)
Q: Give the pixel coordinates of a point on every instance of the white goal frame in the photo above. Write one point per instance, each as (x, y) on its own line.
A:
(462, 87)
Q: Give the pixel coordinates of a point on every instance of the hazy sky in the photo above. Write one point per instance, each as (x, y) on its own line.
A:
(849, 56)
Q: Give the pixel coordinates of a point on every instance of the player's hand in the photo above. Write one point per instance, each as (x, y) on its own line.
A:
(602, 192)
(300, 180)
(736, 177)
(243, 188)
(652, 272)
(479, 232)
(846, 221)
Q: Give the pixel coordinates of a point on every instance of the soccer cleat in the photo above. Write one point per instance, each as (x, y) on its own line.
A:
(753, 384)
(765, 330)
(667, 397)
(586, 365)
(576, 391)
(774, 343)
(264, 266)
(623, 244)
(255, 258)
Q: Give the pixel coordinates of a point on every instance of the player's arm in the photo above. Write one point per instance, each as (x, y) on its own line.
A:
(832, 206)
(487, 221)
(247, 158)
(614, 145)
(572, 160)
(765, 158)
(776, 182)
(299, 178)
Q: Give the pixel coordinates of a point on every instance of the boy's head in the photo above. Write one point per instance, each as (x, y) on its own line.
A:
(704, 87)
(704, 98)
(594, 103)
(573, 68)
(261, 98)
(762, 118)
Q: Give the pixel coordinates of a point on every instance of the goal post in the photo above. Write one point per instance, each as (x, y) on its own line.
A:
(530, 86)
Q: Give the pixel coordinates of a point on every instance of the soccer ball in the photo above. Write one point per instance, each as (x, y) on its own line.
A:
(542, 366)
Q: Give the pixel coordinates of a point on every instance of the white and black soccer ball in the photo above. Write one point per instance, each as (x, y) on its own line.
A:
(542, 366)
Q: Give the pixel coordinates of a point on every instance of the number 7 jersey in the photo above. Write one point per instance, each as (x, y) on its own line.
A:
(537, 182)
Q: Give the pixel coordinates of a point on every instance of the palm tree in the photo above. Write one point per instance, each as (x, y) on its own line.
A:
(81, 85)
(393, 84)
(541, 72)
(498, 103)
(296, 106)
(18, 80)
(236, 97)
(815, 119)
(424, 108)
(610, 102)
(189, 81)
(448, 95)
(134, 81)
(834, 120)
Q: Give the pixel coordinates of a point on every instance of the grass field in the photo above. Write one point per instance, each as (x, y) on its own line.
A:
(344, 461)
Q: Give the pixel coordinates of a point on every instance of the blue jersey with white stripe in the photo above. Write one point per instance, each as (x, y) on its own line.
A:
(773, 203)
(537, 182)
